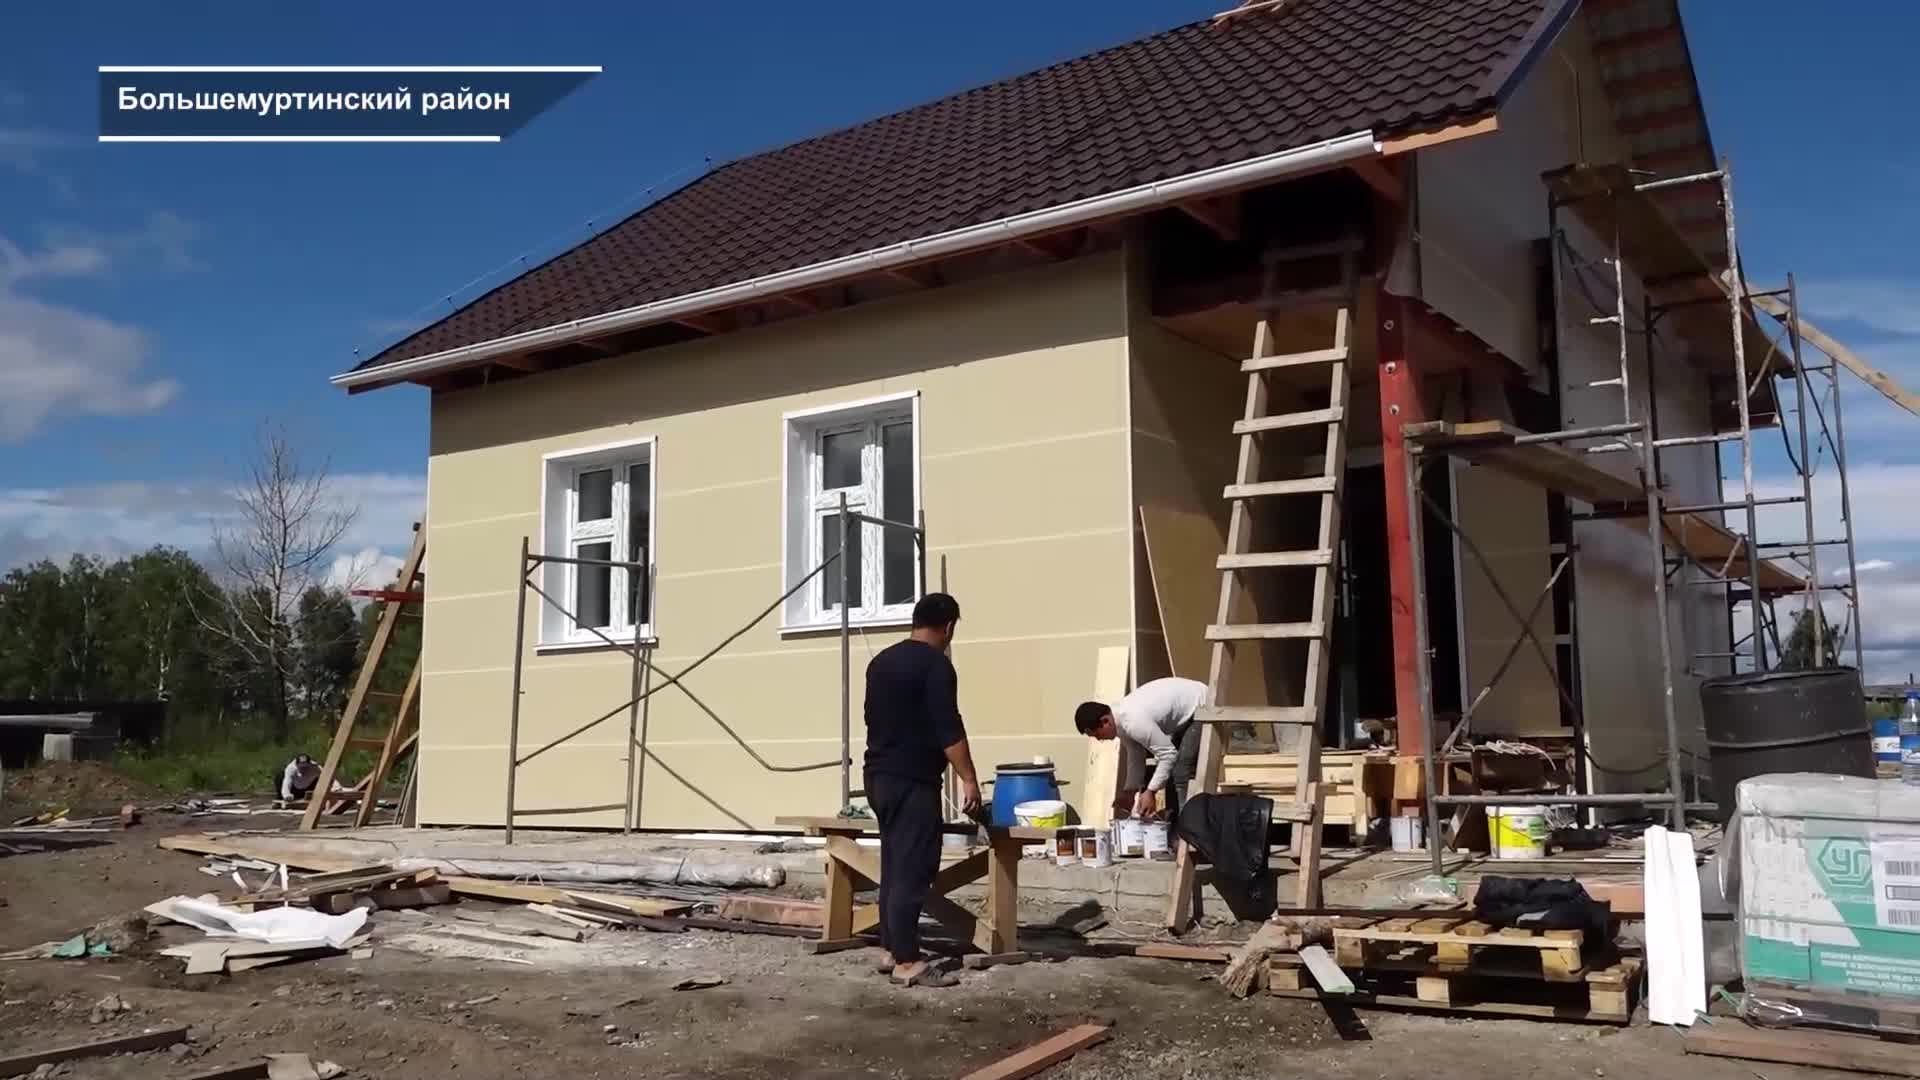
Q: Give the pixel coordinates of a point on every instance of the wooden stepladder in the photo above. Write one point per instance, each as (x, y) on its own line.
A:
(401, 600)
(1228, 631)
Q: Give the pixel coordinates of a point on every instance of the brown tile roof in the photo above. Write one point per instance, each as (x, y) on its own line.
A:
(1187, 99)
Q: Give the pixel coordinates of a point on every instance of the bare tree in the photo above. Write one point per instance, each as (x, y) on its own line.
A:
(285, 529)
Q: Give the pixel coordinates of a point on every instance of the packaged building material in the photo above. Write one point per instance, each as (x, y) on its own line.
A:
(1828, 895)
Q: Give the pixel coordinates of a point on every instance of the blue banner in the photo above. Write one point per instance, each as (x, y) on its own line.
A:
(327, 104)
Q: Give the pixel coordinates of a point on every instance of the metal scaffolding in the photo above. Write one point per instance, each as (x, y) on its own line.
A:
(640, 653)
(1614, 204)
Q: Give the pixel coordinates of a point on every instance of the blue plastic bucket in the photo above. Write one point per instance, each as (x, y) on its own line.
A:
(1018, 783)
(1886, 740)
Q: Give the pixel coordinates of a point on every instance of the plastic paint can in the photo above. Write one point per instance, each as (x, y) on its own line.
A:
(1519, 832)
(1129, 839)
(1096, 848)
(1409, 832)
(1041, 814)
(1153, 837)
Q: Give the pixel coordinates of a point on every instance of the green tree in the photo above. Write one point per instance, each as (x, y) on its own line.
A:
(156, 648)
(1798, 653)
(35, 621)
(326, 639)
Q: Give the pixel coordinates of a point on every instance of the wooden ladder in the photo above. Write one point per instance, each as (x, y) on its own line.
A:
(1305, 813)
(401, 600)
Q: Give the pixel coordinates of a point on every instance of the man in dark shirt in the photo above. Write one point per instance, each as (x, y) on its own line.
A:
(913, 734)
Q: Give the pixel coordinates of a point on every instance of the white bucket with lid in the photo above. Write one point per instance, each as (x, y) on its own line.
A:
(1096, 848)
(1041, 813)
(1409, 832)
(1129, 839)
(1518, 832)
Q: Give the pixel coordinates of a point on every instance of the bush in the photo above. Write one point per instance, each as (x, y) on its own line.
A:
(208, 765)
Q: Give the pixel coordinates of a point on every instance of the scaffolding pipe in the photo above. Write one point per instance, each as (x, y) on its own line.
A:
(513, 716)
(1736, 289)
(1838, 439)
(1422, 660)
(1651, 798)
(846, 661)
(1806, 476)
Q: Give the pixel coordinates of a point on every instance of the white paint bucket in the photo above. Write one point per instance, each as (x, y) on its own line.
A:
(1096, 848)
(1129, 839)
(1041, 813)
(1518, 832)
(1409, 832)
(1153, 837)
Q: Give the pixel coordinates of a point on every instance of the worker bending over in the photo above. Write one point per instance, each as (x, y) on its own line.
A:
(298, 779)
(1157, 720)
(913, 733)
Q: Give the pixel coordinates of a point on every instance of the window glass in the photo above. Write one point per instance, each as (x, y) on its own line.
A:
(596, 495)
(840, 458)
(897, 503)
(830, 578)
(593, 596)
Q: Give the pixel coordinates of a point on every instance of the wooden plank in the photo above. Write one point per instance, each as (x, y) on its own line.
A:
(1294, 360)
(1166, 950)
(389, 747)
(850, 827)
(253, 1070)
(1286, 421)
(645, 906)
(1403, 930)
(1266, 631)
(16, 1064)
(999, 931)
(1324, 971)
(1253, 714)
(839, 901)
(405, 896)
(1420, 140)
(1104, 756)
(1846, 357)
(1270, 560)
(1499, 1009)
(1043, 1055)
(1799, 1046)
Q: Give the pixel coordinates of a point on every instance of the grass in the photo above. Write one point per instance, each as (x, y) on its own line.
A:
(239, 766)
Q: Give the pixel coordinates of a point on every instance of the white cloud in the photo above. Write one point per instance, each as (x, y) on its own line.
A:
(164, 240)
(1886, 305)
(112, 520)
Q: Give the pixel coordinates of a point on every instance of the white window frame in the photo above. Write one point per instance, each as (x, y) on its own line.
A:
(562, 535)
(806, 508)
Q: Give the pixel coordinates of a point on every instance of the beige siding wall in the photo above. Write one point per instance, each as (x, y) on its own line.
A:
(1024, 442)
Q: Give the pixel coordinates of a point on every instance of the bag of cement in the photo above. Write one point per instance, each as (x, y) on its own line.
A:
(1824, 875)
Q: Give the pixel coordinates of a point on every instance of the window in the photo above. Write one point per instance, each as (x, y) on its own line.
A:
(868, 453)
(598, 509)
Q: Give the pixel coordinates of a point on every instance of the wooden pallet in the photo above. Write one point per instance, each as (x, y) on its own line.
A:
(1604, 995)
(1456, 946)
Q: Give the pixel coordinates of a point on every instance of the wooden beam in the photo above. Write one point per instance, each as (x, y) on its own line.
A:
(806, 302)
(1653, 82)
(1605, 48)
(1220, 215)
(1825, 1049)
(923, 275)
(1400, 404)
(1844, 356)
(1383, 178)
(706, 324)
(18, 1064)
(1420, 140)
(1043, 1055)
(1060, 245)
(521, 362)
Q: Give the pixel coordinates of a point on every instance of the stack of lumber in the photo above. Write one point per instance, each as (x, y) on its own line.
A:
(1350, 781)
(340, 891)
(1458, 964)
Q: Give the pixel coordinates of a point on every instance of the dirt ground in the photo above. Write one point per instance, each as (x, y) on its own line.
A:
(610, 1011)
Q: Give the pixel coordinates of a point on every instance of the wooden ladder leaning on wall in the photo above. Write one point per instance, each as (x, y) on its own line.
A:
(401, 600)
(1306, 810)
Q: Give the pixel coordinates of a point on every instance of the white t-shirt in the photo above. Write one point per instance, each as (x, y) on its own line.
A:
(1151, 715)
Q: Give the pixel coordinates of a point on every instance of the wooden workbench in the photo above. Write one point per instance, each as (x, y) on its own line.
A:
(851, 867)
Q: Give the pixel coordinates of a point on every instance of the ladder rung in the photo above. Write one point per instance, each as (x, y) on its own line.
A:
(1255, 631)
(1290, 420)
(1301, 359)
(1292, 812)
(1253, 714)
(1306, 485)
(390, 695)
(1254, 560)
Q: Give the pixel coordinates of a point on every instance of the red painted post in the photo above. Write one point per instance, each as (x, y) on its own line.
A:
(1399, 404)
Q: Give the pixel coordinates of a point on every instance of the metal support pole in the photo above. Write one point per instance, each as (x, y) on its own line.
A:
(1838, 437)
(1422, 661)
(1736, 292)
(846, 660)
(1656, 537)
(920, 540)
(633, 728)
(1806, 478)
(519, 660)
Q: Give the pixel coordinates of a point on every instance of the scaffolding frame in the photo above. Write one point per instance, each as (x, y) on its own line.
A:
(1562, 468)
(640, 653)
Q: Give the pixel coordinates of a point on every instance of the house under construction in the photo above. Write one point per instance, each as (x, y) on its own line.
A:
(1376, 361)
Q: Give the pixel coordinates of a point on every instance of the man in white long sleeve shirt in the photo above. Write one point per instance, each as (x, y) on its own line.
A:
(298, 779)
(1157, 719)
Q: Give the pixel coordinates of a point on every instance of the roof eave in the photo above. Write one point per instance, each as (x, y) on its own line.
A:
(1267, 168)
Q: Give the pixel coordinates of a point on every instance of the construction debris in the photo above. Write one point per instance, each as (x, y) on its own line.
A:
(1242, 973)
(700, 982)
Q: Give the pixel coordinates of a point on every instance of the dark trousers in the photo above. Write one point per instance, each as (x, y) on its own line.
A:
(909, 816)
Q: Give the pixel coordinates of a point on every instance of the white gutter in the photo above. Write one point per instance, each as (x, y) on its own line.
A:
(1218, 180)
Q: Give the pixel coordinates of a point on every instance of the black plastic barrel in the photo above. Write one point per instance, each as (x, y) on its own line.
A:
(1784, 722)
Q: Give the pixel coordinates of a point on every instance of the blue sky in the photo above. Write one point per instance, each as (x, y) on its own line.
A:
(187, 293)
